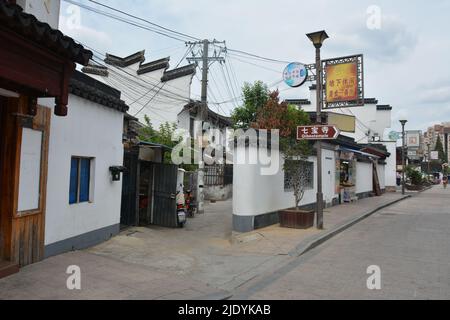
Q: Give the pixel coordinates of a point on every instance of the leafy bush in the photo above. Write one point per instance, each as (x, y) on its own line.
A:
(414, 175)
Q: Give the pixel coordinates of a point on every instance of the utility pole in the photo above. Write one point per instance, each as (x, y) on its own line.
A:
(205, 59)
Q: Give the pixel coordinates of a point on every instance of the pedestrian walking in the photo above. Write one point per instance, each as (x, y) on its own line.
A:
(445, 181)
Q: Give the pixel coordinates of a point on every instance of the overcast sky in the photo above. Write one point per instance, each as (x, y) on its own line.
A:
(406, 59)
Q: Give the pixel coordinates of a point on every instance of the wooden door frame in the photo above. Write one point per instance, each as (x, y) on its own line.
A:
(23, 233)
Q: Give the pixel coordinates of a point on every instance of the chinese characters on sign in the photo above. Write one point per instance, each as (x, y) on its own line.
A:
(295, 74)
(342, 82)
(318, 132)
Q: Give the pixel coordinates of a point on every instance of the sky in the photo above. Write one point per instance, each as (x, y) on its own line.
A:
(405, 44)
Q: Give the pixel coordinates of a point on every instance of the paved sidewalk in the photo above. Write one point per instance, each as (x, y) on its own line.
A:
(409, 241)
(101, 278)
(158, 263)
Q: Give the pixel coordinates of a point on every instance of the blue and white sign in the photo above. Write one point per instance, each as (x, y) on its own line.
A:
(295, 74)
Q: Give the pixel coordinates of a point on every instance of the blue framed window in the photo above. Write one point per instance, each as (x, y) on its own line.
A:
(80, 180)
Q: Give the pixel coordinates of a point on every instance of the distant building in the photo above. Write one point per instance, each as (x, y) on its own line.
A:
(439, 130)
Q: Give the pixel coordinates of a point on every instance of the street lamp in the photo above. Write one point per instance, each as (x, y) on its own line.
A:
(403, 122)
(317, 38)
(429, 159)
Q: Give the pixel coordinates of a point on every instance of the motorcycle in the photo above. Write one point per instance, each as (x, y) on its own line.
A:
(190, 204)
(181, 215)
(181, 209)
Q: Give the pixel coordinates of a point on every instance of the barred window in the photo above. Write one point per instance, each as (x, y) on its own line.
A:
(306, 172)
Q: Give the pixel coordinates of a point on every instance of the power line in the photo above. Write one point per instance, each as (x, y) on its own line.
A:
(115, 17)
(162, 30)
(147, 21)
(254, 64)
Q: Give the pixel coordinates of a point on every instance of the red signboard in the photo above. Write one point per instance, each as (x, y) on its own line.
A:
(317, 132)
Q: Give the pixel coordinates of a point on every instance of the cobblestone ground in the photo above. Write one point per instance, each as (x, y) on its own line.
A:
(409, 241)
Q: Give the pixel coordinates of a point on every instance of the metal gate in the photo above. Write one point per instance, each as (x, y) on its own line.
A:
(128, 212)
(164, 208)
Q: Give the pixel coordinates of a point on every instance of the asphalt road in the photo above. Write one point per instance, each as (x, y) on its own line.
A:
(409, 242)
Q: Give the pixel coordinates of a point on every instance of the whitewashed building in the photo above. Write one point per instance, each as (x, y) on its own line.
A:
(372, 122)
(148, 88)
(347, 173)
(83, 201)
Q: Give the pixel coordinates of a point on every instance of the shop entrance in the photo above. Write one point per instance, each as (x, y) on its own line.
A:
(23, 180)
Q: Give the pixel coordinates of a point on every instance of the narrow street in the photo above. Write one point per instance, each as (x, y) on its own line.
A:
(409, 241)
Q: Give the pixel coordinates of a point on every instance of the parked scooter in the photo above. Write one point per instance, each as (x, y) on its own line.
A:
(181, 209)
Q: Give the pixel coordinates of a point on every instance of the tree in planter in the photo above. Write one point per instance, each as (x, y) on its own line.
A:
(414, 176)
(284, 117)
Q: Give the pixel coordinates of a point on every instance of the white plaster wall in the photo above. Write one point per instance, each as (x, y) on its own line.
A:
(44, 10)
(364, 177)
(256, 194)
(140, 92)
(90, 130)
(183, 120)
(391, 164)
(166, 105)
(381, 175)
(383, 122)
(369, 119)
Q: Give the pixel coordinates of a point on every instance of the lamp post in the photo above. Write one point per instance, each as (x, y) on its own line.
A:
(403, 122)
(317, 38)
(429, 159)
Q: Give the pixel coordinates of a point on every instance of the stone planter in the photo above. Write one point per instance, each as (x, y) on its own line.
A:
(296, 219)
(413, 187)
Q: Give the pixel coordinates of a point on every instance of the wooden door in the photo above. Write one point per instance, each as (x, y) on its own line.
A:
(24, 181)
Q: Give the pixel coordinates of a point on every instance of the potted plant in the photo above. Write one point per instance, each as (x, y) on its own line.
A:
(296, 167)
(415, 178)
(286, 118)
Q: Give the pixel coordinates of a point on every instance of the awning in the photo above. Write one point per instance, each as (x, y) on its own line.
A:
(369, 155)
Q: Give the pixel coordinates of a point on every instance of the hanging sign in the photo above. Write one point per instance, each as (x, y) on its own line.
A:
(344, 82)
(295, 74)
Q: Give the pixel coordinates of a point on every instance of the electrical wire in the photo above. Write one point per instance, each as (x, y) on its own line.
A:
(145, 20)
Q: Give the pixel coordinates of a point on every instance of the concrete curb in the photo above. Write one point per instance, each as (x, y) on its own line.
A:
(313, 242)
(317, 240)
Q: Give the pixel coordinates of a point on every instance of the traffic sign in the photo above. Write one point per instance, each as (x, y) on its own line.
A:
(317, 132)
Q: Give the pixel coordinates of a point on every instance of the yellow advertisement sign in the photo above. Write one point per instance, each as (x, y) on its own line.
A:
(342, 82)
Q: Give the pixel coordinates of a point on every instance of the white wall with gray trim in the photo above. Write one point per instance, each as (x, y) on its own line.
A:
(89, 130)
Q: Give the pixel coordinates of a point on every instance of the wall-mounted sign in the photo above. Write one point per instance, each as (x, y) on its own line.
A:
(343, 122)
(344, 82)
(394, 135)
(318, 132)
(413, 139)
(434, 155)
(295, 74)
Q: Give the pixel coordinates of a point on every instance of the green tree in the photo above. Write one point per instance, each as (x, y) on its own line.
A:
(162, 136)
(286, 118)
(255, 97)
(440, 148)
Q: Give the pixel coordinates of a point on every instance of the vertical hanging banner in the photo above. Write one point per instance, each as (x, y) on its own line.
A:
(343, 82)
